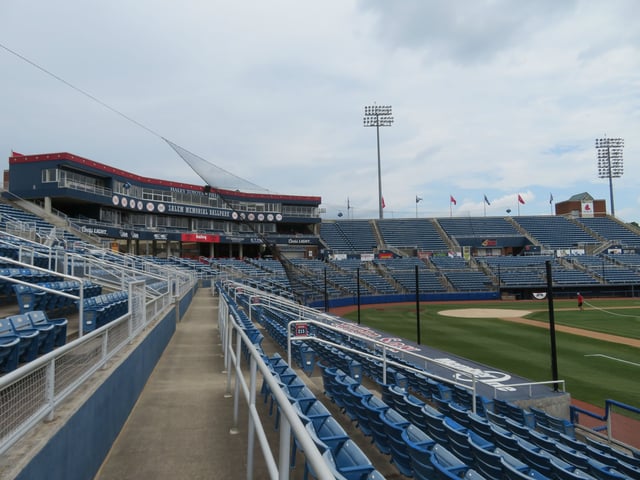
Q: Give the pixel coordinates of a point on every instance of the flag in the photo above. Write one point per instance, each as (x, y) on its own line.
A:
(550, 198)
(382, 203)
(452, 200)
(486, 200)
(418, 199)
(520, 199)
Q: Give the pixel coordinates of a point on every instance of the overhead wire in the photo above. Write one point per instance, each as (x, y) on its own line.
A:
(80, 90)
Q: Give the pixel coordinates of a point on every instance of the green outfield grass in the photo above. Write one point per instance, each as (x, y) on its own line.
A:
(594, 370)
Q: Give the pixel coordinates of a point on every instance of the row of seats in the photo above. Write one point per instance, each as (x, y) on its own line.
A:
(32, 298)
(341, 454)
(493, 452)
(28, 275)
(102, 309)
(412, 451)
(25, 336)
(485, 442)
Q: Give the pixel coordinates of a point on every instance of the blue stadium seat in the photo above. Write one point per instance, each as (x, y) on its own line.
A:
(353, 405)
(374, 406)
(313, 412)
(9, 352)
(480, 426)
(566, 471)
(40, 318)
(419, 446)
(572, 456)
(543, 441)
(605, 472)
(446, 464)
(535, 457)
(458, 438)
(46, 332)
(524, 473)
(394, 425)
(459, 414)
(486, 459)
(330, 432)
(435, 425)
(505, 440)
(375, 475)
(29, 298)
(28, 346)
(631, 457)
(349, 461)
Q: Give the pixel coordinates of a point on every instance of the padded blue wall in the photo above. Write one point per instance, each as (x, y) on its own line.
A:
(79, 448)
(400, 298)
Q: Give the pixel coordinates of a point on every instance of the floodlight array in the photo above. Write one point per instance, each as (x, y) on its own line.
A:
(378, 116)
(610, 164)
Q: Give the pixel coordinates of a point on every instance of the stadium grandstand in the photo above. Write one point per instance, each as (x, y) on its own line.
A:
(103, 272)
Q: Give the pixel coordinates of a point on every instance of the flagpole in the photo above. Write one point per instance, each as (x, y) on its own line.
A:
(484, 204)
(518, 202)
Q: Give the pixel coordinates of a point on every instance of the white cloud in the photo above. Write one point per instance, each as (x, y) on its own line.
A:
(490, 97)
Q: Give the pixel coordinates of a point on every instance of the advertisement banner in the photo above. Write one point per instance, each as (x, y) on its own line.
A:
(587, 209)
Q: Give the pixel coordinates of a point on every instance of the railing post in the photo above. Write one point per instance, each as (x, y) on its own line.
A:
(384, 365)
(474, 382)
(227, 355)
(251, 427)
(105, 346)
(285, 448)
(289, 341)
(236, 392)
(50, 391)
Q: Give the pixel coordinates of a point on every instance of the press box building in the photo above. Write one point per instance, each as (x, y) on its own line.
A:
(148, 216)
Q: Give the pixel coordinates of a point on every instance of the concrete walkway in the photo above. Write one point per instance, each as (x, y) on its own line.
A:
(179, 428)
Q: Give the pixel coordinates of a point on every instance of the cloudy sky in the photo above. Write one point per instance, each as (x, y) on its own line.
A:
(490, 97)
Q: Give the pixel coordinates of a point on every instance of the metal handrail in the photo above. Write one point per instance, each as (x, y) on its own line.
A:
(607, 418)
(290, 421)
(57, 380)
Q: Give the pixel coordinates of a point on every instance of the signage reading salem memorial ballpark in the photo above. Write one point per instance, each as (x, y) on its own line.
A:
(136, 204)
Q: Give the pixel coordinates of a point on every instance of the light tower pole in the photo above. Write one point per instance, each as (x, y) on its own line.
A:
(610, 162)
(378, 116)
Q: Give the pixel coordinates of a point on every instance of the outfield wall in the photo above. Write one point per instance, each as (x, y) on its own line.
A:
(403, 298)
(82, 442)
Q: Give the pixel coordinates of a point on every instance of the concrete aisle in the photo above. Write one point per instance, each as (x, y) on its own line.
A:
(179, 428)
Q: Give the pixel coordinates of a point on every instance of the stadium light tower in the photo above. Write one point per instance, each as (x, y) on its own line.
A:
(378, 116)
(610, 162)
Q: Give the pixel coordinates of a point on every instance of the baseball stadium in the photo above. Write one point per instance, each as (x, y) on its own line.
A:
(152, 328)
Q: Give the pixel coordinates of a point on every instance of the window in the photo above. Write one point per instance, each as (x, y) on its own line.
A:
(50, 175)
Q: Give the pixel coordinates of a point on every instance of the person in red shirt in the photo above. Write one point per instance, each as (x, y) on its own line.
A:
(580, 301)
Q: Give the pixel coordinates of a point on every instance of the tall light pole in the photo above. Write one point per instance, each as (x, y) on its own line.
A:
(378, 116)
(610, 162)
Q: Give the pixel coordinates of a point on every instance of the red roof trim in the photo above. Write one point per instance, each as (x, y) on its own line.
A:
(15, 159)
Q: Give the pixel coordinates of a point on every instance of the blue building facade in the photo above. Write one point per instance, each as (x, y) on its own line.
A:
(142, 215)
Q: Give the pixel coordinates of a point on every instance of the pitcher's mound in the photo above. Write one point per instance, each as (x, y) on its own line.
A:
(483, 313)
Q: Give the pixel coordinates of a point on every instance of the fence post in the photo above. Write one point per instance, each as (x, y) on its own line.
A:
(251, 427)
(50, 388)
(236, 392)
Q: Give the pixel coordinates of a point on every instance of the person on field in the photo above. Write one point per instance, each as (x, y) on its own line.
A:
(580, 301)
